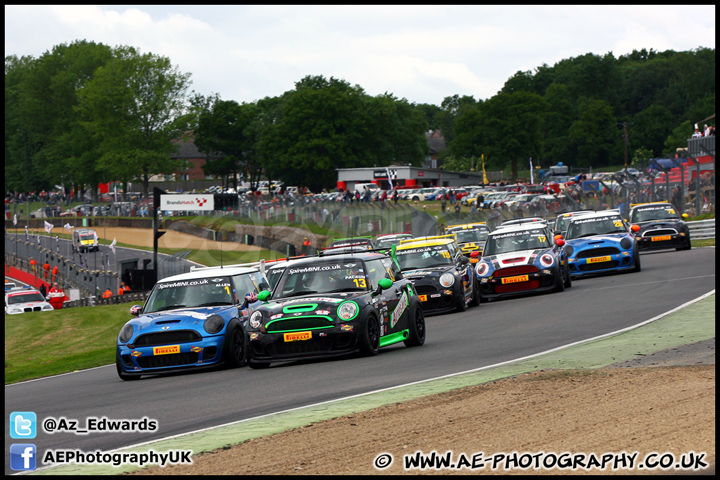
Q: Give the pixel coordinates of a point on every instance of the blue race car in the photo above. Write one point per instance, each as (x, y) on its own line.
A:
(601, 243)
(190, 321)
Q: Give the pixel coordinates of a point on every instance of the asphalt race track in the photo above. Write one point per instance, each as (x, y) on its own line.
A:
(491, 333)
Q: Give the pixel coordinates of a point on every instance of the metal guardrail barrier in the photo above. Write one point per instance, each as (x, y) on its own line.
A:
(702, 229)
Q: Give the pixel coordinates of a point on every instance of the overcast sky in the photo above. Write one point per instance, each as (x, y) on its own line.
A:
(421, 53)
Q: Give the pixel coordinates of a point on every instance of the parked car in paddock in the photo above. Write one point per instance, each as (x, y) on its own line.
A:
(470, 237)
(333, 305)
(390, 239)
(191, 321)
(24, 300)
(601, 243)
(520, 260)
(441, 274)
(660, 226)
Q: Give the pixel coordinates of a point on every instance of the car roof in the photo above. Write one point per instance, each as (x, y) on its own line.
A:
(206, 272)
(466, 226)
(602, 213)
(655, 204)
(426, 241)
(519, 227)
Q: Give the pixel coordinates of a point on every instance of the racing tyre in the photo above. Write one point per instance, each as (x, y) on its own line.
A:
(559, 282)
(475, 299)
(460, 305)
(636, 261)
(234, 350)
(686, 247)
(416, 325)
(370, 337)
(568, 279)
(121, 373)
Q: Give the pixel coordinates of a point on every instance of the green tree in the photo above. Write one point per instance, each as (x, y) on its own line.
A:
(131, 107)
(595, 134)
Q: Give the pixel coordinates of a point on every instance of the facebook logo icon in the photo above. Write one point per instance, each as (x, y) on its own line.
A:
(23, 425)
(23, 456)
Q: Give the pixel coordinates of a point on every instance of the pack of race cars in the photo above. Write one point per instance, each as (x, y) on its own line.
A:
(358, 296)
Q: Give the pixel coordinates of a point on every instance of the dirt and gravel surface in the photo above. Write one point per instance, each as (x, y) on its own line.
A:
(660, 403)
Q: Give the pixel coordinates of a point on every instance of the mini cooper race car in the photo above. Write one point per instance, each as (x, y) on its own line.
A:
(388, 240)
(24, 300)
(599, 243)
(334, 305)
(442, 276)
(520, 260)
(660, 226)
(562, 220)
(190, 321)
(470, 237)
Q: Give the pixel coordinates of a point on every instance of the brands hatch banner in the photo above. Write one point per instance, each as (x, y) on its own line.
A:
(187, 202)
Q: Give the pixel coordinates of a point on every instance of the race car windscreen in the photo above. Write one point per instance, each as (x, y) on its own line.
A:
(15, 298)
(424, 257)
(588, 227)
(646, 214)
(330, 277)
(469, 236)
(516, 241)
(87, 238)
(389, 242)
(273, 275)
(201, 292)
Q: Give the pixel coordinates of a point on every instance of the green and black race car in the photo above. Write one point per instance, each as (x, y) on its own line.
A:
(332, 305)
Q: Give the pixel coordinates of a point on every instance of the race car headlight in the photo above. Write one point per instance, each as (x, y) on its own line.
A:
(213, 324)
(482, 269)
(626, 243)
(14, 310)
(347, 310)
(447, 279)
(547, 260)
(568, 250)
(47, 308)
(126, 333)
(256, 319)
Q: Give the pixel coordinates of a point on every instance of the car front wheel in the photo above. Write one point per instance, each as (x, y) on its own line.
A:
(370, 337)
(416, 325)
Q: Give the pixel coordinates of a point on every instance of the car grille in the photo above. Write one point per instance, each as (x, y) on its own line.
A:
(517, 287)
(597, 252)
(519, 270)
(165, 338)
(656, 233)
(171, 360)
(293, 324)
(591, 267)
(425, 289)
(31, 309)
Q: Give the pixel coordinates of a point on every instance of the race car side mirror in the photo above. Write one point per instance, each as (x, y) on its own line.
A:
(385, 283)
(559, 242)
(635, 228)
(475, 254)
(264, 295)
